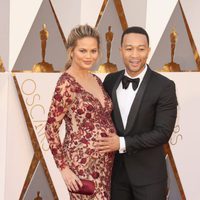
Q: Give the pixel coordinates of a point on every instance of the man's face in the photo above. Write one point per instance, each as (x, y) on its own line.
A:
(134, 51)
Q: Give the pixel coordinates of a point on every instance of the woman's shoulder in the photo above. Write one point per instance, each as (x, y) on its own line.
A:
(64, 79)
(97, 77)
(64, 85)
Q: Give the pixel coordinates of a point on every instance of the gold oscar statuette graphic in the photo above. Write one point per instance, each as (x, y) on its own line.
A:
(43, 66)
(1, 66)
(38, 196)
(108, 67)
(172, 66)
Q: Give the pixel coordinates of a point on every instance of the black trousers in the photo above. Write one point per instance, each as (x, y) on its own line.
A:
(122, 189)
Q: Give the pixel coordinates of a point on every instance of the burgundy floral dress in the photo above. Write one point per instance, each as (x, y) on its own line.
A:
(85, 120)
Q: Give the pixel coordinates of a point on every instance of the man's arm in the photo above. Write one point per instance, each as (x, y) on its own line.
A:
(166, 112)
(165, 118)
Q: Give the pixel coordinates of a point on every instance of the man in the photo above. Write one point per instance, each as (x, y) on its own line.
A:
(144, 113)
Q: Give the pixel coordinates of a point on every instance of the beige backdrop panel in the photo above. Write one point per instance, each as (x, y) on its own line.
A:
(185, 139)
(37, 91)
(19, 151)
(3, 129)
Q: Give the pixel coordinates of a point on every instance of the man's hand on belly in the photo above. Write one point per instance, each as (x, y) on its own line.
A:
(108, 144)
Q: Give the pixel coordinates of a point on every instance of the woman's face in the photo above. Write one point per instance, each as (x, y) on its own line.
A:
(85, 53)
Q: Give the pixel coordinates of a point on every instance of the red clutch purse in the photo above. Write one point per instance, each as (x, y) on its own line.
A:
(87, 188)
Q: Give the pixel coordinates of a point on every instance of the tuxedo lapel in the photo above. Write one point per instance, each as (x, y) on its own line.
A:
(116, 111)
(137, 101)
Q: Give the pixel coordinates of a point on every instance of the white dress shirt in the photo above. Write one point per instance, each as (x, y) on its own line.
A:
(125, 98)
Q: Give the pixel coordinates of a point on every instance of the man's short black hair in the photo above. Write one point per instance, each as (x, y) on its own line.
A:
(135, 29)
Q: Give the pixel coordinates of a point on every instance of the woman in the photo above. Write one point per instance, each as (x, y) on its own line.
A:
(80, 100)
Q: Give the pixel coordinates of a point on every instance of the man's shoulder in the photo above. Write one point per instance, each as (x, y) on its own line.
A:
(160, 77)
(114, 74)
(161, 82)
(111, 79)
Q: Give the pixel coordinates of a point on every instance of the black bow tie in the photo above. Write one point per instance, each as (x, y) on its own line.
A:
(126, 81)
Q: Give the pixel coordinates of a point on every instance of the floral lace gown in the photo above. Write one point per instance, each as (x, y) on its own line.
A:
(85, 119)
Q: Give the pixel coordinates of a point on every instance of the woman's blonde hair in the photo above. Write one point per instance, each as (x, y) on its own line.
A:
(78, 33)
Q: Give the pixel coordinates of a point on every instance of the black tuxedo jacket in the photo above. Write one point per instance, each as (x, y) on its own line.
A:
(150, 124)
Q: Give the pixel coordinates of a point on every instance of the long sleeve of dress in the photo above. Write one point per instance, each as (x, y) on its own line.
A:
(62, 98)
